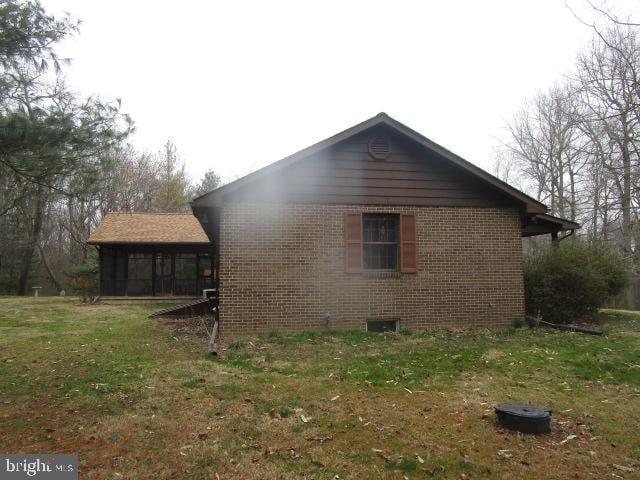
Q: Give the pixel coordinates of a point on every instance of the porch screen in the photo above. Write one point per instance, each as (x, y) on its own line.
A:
(139, 274)
(185, 282)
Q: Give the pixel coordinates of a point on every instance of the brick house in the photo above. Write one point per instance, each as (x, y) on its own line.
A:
(374, 228)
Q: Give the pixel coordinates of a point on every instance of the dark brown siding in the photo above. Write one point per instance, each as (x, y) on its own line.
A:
(348, 174)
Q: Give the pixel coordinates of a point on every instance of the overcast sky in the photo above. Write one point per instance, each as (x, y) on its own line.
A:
(237, 85)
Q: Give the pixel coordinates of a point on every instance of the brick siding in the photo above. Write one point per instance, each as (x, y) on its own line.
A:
(282, 269)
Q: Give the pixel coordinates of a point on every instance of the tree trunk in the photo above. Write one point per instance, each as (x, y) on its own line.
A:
(34, 238)
(47, 267)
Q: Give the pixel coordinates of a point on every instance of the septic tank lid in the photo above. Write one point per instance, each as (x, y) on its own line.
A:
(524, 418)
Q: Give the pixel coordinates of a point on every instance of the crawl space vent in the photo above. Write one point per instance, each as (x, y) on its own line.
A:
(379, 148)
(382, 326)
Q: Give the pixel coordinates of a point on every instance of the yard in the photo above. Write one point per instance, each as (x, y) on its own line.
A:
(137, 398)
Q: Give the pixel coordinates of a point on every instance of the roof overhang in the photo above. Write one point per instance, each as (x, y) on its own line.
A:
(542, 223)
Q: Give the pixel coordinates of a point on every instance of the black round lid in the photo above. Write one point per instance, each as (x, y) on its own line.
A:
(523, 410)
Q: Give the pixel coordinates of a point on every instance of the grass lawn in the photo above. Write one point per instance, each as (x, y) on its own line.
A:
(139, 399)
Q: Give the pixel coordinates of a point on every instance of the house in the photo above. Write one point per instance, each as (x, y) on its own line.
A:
(374, 228)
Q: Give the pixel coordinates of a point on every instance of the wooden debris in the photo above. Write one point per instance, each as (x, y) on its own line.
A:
(304, 419)
(622, 468)
(381, 454)
(569, 437)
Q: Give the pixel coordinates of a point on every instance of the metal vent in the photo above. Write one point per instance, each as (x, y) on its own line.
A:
(379, 148)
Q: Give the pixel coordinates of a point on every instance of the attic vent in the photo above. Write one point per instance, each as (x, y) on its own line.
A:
(379, 148)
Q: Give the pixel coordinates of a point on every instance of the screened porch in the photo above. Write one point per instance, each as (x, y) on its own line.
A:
(155, 271)
(153, 254)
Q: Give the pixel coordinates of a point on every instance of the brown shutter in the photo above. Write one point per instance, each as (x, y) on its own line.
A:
(408, 244)
(353, 242)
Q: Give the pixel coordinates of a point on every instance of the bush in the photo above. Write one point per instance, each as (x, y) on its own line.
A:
(570, 282)
(84, 280)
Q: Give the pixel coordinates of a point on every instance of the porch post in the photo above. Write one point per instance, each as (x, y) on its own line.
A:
(173, 273)
(153, 272)
(100, 267)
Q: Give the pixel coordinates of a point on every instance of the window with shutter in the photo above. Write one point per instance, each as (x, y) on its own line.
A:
(380, 242)
(408, 245)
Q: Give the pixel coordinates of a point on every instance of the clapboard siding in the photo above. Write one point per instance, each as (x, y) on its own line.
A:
(347, 173)
(385, 200)
(379, 182)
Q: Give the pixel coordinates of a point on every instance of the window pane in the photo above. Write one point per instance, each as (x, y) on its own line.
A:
(380, 228)
(381, 256)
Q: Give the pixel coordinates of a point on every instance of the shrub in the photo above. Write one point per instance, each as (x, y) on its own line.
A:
(84, 280)
(571, 281)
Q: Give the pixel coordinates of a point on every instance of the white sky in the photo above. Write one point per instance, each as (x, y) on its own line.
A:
(237, 84)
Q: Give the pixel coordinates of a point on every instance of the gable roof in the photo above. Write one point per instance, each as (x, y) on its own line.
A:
(215, 196)
(118, 228)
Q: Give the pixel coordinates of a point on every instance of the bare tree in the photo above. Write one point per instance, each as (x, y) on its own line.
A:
(546, 145)
(608, 85)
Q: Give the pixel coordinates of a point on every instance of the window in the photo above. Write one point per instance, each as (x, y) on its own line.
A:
(380, 241)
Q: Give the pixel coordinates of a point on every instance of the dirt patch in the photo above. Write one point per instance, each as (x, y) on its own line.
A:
(193, 326)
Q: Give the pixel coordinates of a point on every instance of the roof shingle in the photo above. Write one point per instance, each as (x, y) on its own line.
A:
(148, 228)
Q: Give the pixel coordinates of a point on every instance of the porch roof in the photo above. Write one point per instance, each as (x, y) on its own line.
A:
(543, 223)
(148, 228)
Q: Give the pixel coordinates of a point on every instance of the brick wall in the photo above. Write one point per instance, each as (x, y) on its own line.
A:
(282, 268)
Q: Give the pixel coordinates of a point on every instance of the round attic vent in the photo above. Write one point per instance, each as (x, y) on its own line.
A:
(379, 148)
